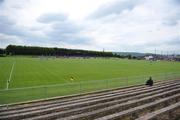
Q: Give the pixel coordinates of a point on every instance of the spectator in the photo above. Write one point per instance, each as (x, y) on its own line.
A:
(149, 82)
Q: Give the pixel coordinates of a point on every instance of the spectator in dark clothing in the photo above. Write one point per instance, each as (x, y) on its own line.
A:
(149, 82)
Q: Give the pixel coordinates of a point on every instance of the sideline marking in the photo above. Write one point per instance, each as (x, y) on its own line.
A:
(8, 81)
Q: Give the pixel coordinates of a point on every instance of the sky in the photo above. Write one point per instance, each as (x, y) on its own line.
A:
(112, 25)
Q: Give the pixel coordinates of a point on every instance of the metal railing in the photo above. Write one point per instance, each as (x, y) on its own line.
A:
(42, 92)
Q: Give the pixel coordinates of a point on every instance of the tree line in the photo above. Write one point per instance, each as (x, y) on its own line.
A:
(2, 52)
(45, 51)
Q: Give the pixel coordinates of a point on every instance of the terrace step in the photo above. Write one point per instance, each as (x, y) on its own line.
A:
(64, 105)
(116, 108)
(65, 98)
(171, 112)
(86, 103)
(83, 110)
(93, 106)
(136, 112)
(73, 98)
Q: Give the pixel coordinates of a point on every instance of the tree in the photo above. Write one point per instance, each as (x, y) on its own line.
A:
(32, 50)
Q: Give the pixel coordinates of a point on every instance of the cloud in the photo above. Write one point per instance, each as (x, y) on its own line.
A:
(11, 33)
(176, 2)
(1, 1)
(115, 25)
(7, 25)
(62, 30)
(116, 7)
(67, 32)
(52, 17)
(173, 19)
(174, 41)
(5, 20)
(9, 39)
(144, 27)
(66, 27)
(170, 22)
(172, 16)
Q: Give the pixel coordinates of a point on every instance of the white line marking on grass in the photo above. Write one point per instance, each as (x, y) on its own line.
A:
(10, 75)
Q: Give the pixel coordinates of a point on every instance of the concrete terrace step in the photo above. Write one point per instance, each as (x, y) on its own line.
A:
(67, 100)
(72, 98)
(88, 102)
(96, 105)
(171, 112)
(83, 110)
(115, 108)
(136, 112)
(80, 104)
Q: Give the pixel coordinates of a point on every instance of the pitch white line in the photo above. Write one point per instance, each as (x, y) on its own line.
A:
(10, 75)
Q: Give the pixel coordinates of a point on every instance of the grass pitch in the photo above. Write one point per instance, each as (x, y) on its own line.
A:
(23, 72)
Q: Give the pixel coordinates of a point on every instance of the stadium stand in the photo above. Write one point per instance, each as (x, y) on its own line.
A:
(161, 101)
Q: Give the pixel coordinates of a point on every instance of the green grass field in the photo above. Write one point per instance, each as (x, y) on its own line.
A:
(23, 72)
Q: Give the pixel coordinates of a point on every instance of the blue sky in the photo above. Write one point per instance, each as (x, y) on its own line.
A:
(115, 25)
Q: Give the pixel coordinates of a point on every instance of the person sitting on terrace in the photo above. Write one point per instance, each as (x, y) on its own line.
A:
(149, 82)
